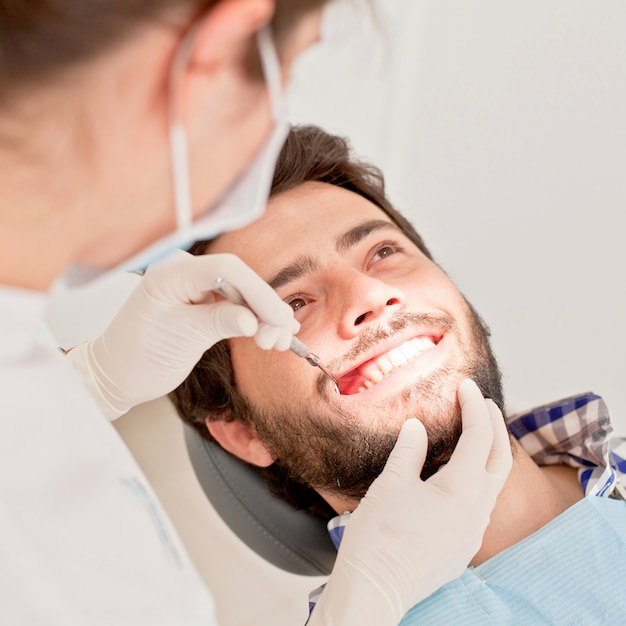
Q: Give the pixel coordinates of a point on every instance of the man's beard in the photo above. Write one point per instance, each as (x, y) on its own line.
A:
(339, 453)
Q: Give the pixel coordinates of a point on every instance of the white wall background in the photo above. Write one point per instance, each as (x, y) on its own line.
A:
(501, 129)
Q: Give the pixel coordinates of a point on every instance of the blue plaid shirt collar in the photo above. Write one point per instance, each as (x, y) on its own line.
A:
(576, 431)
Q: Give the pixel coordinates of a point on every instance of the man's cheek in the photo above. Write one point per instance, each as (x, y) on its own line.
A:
(276, 378)
(249, 371)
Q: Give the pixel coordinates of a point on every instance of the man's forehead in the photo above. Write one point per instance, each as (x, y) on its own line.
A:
(319, 208)
(314, 188)
(299, 222)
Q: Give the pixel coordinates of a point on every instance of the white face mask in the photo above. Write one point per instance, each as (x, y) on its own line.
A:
(242, 203)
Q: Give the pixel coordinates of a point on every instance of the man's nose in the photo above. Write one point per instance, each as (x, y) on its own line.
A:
(364, 300)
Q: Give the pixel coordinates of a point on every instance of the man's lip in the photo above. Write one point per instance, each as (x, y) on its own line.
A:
(384, 347)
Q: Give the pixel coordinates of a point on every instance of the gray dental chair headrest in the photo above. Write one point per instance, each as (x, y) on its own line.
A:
(292, 540)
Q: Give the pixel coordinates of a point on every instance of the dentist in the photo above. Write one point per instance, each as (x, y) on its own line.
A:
(128, 129)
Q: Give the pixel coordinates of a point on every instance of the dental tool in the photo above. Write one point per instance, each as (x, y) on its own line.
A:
(232, 294)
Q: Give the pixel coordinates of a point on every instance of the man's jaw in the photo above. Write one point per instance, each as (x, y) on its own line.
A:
(396, 358)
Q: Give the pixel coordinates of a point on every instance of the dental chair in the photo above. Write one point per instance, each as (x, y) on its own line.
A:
(291, 540)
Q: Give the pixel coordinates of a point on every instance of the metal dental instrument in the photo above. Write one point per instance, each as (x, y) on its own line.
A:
(232, 294)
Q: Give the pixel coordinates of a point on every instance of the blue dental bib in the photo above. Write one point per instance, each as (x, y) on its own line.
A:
(571, 571)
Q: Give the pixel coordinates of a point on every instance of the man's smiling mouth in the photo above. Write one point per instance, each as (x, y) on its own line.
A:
(373, 371)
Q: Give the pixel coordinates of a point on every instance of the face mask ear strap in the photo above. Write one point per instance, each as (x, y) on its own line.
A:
(179, 151)
(178, 135)
(272, 72)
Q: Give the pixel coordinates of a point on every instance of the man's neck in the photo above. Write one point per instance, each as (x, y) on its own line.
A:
(531, 497)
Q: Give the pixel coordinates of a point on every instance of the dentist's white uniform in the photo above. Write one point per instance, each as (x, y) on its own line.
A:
(72, 495)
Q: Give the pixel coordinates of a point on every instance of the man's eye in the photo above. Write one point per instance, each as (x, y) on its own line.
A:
(384, 250)
(296, 302)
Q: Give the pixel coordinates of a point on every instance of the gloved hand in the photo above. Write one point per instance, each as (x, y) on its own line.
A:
(168, 322)
(409, 537)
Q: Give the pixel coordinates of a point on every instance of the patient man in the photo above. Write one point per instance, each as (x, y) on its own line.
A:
(399, 337)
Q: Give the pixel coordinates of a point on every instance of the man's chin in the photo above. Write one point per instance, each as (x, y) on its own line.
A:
(372, 436)
(441, 444)
(432, 400)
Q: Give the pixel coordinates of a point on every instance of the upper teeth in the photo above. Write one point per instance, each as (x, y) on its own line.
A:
(380, 367)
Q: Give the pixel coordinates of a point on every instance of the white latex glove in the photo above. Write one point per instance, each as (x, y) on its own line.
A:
(409, 537)
(168, 322)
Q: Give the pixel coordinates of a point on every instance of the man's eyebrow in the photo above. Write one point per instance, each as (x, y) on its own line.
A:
(352, 237)
(299, 267)
(303, 264)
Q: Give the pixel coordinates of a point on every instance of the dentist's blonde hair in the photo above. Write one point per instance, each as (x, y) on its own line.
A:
(41, 39)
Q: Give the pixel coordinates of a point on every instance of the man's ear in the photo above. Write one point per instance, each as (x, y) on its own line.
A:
(240, 440)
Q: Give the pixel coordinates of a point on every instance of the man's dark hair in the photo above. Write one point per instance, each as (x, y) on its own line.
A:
(210, 391)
